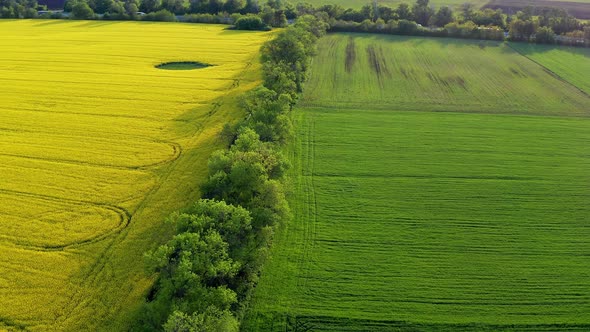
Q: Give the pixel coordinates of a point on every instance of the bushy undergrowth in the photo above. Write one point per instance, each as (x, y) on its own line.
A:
(206, 272)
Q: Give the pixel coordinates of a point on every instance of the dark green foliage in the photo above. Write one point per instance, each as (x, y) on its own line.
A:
(212, 320)
(273, 17)
(207, 271)
(101, 6)
(286, 58)
(234, 6)
(422, 12)
(247, 175)
(18, 8)
(250, 22)
(161, 15)
(522, 30)
(198, 267)
(545, 35)
(177, 7)
(149, 6)
(81, 11)
(233, 223)
(488, 17)
(443, 16)
(268, 115)
(221, 18)
(406, 27)
(403, 12)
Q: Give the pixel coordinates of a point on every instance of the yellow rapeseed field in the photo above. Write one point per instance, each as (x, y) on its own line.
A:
(97, 146)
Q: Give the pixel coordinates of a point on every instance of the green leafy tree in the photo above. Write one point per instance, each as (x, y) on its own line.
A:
(101, 6)
(177, 7)
(443, 16)
(193, 272)
(544, 35)
(149, 6)
(267, 115)
(212, 320)
(246, 175)
(233, 223)
(81, 11)
(234, 6)
(467, 12)
(522, 30)
(422, 12)
(404, 12)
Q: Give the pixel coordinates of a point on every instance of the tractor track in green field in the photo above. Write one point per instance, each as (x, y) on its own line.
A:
(549, 71)
(449, 196)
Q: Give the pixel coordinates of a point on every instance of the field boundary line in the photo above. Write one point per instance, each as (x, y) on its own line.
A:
(550, 72)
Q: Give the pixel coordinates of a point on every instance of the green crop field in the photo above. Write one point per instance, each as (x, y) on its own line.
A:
(97, 147)
(572, 64)
(439, 185)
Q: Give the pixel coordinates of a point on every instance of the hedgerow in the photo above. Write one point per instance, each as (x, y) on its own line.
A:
(208, 269)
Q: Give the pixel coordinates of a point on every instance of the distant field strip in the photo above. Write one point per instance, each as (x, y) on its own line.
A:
(97, 146)
(424, 215)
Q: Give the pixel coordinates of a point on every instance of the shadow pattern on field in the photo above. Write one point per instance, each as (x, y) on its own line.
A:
(124, 218)
(549, 71)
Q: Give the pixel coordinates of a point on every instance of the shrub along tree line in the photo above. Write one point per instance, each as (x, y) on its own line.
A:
(540, 25)
(207, 271)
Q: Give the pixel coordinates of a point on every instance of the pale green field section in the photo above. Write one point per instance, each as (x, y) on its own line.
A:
(416, 213)
(572, 64)
(97, 147)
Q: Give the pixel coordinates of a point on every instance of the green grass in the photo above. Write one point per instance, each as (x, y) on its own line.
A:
(570, 63)
(410, 218)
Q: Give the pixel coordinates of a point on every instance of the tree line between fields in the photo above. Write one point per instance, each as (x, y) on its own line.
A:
(207, 271)
(532, 24)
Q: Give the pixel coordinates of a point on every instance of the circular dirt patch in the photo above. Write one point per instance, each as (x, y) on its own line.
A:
(182, 65)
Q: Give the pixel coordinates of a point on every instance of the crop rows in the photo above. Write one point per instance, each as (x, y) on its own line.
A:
(97, 146)
(419, 213)
(421, 74)
(572, 64)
